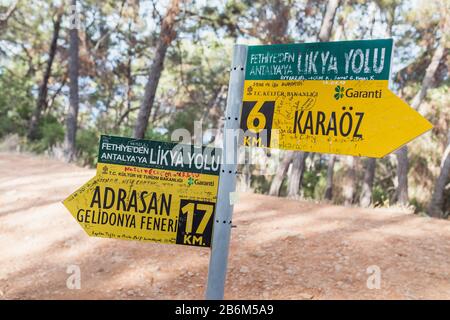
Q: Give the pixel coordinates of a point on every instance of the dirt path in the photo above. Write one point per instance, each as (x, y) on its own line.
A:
(280, 248)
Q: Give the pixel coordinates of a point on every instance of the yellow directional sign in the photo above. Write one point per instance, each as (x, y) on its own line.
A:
(296, 99)
(138, 195)
(367, 119)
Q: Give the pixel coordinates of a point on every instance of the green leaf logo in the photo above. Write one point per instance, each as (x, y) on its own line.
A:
(190, 181)
(339, 92)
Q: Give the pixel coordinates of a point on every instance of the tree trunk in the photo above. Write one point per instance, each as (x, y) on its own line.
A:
(72, 115)
(428, 79)
(365, 198)
(129, 74)
(348, 181)
(325, 35)
(296, 175)
(4, 17)
(437, 202)
(402, 154)
(167, 35)
(278, 25)
(275, 186)
(436, 206)
(328, 18)
(295, 178)
(401, 195)
(330, 174)
(43, 88)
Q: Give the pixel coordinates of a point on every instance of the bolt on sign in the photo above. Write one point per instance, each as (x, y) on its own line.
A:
(150, 191)
(327, 97)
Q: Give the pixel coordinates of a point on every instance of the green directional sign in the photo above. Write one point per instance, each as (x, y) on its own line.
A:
(158, 155)
(340, 60)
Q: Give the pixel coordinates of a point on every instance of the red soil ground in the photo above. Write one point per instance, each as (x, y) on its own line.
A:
(281, 249)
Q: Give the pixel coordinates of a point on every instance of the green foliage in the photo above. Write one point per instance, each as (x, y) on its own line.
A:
(50, 133)
(184, 119)
(153, 134)
(16, 104)
(321, 185)
(87, 146)
(379, 196)
(118, 47)
(418, 206)
(260, 184)
(310, 182)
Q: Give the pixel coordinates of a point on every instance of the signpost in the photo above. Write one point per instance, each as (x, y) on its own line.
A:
(150, 191)
(327, 97)
(227, 183)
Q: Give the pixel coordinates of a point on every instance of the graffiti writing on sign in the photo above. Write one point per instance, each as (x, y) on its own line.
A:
(328, 97)
(150, 191)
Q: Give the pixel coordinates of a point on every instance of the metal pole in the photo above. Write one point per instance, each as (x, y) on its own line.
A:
(227, 180)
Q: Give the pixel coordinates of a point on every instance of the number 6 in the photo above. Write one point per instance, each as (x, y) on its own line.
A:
(256, 115)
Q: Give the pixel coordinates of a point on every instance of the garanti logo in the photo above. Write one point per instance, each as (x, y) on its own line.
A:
(340, 92)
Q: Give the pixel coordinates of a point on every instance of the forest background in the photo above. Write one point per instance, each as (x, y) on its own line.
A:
(72, 70)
